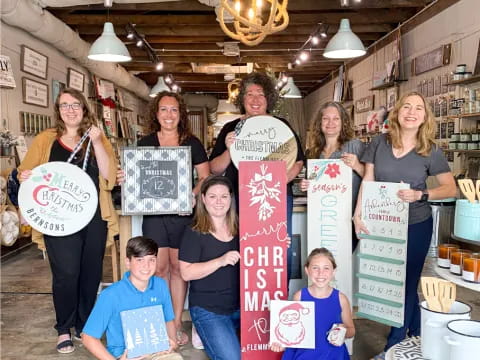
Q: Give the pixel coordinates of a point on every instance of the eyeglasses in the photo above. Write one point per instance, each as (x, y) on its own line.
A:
(74, 106)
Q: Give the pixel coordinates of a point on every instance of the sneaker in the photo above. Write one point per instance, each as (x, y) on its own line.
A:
(196, 341)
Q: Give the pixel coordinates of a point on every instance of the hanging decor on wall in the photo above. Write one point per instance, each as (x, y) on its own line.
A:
(34, 93)
(432, 60)
(7, 79)
(75, 79)
(249, 24)
(34, 63)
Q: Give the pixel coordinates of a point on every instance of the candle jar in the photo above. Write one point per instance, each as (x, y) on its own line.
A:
(444, 252)
(471, 268)
(456, 260)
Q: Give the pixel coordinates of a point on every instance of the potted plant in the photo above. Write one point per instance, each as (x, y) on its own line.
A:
(7, 141)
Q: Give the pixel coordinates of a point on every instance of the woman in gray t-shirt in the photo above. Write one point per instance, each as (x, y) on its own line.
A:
(332, 138)
(408, 154)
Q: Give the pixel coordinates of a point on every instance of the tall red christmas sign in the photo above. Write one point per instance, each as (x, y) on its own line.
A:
(263, 249)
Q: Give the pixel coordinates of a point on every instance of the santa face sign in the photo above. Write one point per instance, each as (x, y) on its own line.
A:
(293, 323)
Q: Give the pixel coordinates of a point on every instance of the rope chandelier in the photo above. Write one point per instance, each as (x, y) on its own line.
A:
(248, 25)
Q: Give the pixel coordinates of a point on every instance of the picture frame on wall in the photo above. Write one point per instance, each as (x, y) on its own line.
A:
(75, 79)
(34, 63)
(57, 87)
(34, 92)
(392, 96)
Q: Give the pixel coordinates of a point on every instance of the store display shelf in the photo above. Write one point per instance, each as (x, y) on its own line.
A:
(463, 115)
(470, 80)
(387, 85)
(462, 151)
(467, 241)
(456, 279)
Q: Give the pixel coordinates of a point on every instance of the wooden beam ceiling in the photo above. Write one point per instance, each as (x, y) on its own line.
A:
(186, 31)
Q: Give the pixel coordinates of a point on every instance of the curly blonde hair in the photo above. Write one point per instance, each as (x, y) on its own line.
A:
(318, 137)
(426, 131)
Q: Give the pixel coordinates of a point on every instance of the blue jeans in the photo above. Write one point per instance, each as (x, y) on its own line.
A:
(419, 237)
(218, 333)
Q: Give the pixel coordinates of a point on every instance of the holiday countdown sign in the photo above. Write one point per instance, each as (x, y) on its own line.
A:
(383, 253)
(58, 199)
(330, 215)
(263, 248)
(292, 323)
(144, 331)
(158, 180)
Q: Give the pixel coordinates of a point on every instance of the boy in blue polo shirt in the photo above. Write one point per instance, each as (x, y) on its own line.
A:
(138, 288)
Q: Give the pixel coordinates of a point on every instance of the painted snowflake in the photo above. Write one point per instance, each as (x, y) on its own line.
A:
(333, 170)
(263, 193)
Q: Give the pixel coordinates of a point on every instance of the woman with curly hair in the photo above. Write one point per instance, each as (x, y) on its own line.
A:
(76, 260)
(333, 138)
(169, 122)
(408, 153)
(257, 96)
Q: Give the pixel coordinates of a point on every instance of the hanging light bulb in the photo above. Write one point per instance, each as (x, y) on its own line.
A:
(304, 56)
(174, 87)
(130, 36)
(344, 44)
(139, 43)
(315, 40)
(159, 66)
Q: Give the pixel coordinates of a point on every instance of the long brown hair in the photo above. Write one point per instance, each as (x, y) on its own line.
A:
(318, 137)
(202, 221)
(183, 129)
(426, 131)
(88, 119)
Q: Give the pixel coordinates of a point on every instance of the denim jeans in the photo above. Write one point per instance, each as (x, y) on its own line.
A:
(419, 236)
(218, 333)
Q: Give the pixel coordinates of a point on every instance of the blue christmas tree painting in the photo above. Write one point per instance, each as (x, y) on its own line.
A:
(144, 331)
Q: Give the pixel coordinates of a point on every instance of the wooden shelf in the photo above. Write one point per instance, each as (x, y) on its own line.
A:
(462, 151)
(467, 115)
(473, 79)
(387, 85)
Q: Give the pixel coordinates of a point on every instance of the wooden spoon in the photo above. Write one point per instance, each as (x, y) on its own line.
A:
(431, 293)
(447, 295)
(468, 189)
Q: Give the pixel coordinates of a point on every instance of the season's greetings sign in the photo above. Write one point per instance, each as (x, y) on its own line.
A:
(263, 138)
(330, 215)
(58, 199)
(263, 249)
(383, 253)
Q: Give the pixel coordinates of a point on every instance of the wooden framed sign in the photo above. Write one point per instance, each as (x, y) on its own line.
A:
(364, 104)
(7, 79)
(432, 60)
(75, 79)
(34, 93)
(292, 323)
(383, 253)
(158, 180)
(263, 249)
(34, 63)
(329, 215)
(58, 199)
(264, 138)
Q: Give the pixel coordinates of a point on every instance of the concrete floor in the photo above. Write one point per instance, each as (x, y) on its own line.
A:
(27, 315)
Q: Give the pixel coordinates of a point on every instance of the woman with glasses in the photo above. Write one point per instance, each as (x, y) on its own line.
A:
(76, 260)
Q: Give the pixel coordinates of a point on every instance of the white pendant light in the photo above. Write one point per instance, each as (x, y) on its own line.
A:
(344, 44)
(108, 47)
(290, 90)
(159, 87)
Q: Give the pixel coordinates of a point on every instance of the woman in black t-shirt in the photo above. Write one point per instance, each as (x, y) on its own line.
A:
(209, 255)
(168, 114)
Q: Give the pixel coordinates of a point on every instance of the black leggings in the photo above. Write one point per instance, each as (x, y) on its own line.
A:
(76, 262)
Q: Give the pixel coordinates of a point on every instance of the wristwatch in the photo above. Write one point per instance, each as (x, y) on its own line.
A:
(424, 195)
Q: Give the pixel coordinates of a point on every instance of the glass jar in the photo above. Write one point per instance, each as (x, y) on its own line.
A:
(471, 268)
(444, 252)
(456, 260)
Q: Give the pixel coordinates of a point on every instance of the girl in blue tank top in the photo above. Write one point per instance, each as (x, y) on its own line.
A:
(331, 307)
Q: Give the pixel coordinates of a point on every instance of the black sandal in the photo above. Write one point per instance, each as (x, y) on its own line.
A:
(62, 347)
